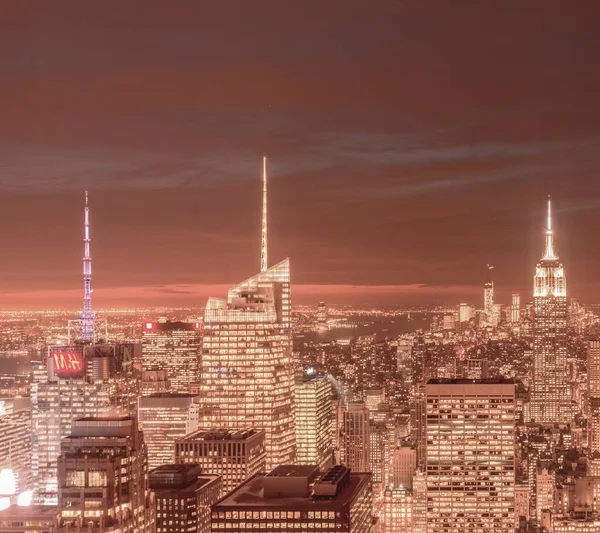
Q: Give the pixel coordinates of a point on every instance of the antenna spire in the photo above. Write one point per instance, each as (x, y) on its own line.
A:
(263, 248)
(549, 253)
(87, 316)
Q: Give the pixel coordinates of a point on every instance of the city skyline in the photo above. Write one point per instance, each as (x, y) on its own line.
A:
(376, 179)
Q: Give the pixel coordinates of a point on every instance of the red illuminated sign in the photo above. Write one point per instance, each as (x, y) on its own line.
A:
(68, 362)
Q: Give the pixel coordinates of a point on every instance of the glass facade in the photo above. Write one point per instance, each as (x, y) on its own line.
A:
(247, 377)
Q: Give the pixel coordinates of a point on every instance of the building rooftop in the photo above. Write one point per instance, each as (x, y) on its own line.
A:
(251, 494)
(222, 434)
(30, 512)
(179, 478)
(465, 381)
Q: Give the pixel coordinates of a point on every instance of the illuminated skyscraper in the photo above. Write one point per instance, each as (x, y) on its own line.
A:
(183, 497)
(515, 308)
(103, 478)
(488, 296)
(593, 368)
(550, 397)
(174, 347)
(313, 421)
(73, 382)
(355, 437)
(233, 455)
(247, 377)
(321, 314)
(164, 417)
(15, 441)
(465, 312)
(471, 456)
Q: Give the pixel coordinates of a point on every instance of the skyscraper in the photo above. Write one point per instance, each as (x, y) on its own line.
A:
(515, 308)
(233, 455)
(488, 296)
(470, 456)
(183, 497)
(355, 437)
(313, 421)
(103, 478)
(164, 417)
(174, 347)
(550, 398)
(15, 441)
(246, 375)
(72, 382)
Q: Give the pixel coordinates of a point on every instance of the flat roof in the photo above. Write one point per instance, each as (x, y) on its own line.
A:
(465, 381)
(42, 512)
(222, 434)
(250, 496)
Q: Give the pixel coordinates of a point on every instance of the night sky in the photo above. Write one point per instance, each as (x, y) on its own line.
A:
(409, 144)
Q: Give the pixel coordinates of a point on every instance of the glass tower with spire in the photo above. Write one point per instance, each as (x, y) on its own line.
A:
(550, 398)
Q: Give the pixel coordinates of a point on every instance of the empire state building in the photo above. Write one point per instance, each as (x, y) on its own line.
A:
(550, 398)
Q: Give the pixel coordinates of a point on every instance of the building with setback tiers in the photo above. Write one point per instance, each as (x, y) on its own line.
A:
(103, 478)
(247, 377)
(550, 393)
(295, 498)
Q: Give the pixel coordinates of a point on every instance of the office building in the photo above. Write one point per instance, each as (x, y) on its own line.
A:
(379, 447)
(397, 515)
(465, 313)
(420, 505)
(476, 368)
(313, 421)
(488, 298)
(593, 407)
(550, 394)
(403, 466)
(235, 455)
(247, 375)
(72, 382)
(103, 478)
(545, 482)
(322, 314)
(174, 347)
(355, 437)
(470, 455)
(515, 308)
(154, 382)
(293, 497)
(183, 498)
(165, 417)
(373, 397)
(15, 442)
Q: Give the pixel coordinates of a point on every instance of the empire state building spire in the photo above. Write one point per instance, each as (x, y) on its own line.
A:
(263, 247)
(549, 254)
(87, 316)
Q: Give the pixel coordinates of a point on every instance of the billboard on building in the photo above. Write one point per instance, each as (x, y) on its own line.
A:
(68, 362)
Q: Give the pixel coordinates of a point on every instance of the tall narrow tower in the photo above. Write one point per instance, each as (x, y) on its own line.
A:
(263, 246)
(550, 401)
(488, 294)
(87, 316)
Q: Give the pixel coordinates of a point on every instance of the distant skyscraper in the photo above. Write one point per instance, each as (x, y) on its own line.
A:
(465, 312)
(471, 456)
(355, 437)
(164, 417)
(183, 497)
(174, 347)
(488, 296)
(103, 478)
(313, 421)
(234, 455)
(403, 465)
(321, 314)
(550, 398)
(515, 308)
